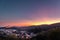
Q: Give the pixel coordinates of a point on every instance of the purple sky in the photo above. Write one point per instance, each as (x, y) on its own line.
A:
(29, 12)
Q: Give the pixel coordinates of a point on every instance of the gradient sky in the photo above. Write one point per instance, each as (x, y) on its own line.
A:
(29, 12)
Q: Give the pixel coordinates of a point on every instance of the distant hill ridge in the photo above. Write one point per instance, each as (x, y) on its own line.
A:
(34, 26)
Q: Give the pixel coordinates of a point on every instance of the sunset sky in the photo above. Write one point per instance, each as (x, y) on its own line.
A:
(29, 12)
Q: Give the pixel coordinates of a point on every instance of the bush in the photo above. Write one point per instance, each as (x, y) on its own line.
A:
(54, 34)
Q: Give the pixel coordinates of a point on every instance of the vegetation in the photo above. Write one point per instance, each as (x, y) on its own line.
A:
(51, 34)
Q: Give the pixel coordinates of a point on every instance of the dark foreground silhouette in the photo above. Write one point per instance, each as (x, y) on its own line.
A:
(43, 32)
(52, 34)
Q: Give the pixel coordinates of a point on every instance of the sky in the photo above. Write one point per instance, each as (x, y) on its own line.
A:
(29, 12)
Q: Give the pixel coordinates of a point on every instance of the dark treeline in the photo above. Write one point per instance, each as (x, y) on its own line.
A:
(52, 34)
(44, 32)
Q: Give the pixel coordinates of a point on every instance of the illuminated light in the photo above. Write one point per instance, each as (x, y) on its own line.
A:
(29, 23)
(46, 22)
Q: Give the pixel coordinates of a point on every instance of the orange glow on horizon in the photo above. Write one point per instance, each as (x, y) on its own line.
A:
(47, 21)
(34, 22)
